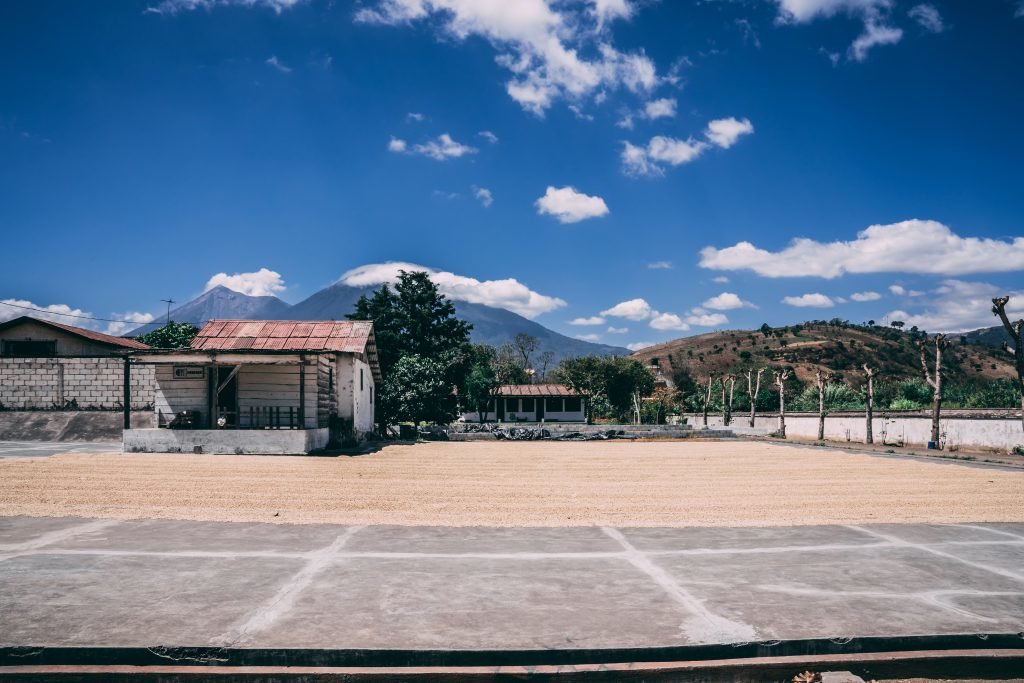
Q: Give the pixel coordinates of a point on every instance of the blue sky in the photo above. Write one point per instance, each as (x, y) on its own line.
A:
(639, 168)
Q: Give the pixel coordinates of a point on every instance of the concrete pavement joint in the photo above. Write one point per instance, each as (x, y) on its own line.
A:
(935, 551)
(16, 549)
(701, 625)
(279, 605)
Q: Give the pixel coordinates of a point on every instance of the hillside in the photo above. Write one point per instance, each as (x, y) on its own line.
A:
(810, 346)
(219, 302)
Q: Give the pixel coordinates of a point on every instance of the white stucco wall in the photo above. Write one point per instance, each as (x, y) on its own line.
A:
(356, 387)
(995, 433)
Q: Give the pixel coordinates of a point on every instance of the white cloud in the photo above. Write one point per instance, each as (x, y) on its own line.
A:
(725, 132)
(727, 301)
(898, 290)
(702, 318)
(509, 293)
(871, 12)
(636, 346)
(414, 116)
(959, 306)
(1020, 10)
(64, 314)
(815, 300)
(618, 330)
(662, 108)
(660, 265)
(569, 205)
(669, 321)
(915, 293)
(625, 122)
(592, 320)
(128, 322)
(662, 150)
(52, 312)
(634, 309)
(874, 34)
(278, 64)
(927, 16)
(397, 145)
(443, 148)
(263, 282)
(174, 6)
(593, 337)
(538, 41)
(913, 246)
(865, 296)
(489, 136)
(484, 195)
(720, 279)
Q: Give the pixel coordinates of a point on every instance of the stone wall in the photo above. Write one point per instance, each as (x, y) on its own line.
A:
(91, 383)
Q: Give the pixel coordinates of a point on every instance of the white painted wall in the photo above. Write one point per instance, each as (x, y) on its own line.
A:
(995, 433)
(530, 415)
(357, 392)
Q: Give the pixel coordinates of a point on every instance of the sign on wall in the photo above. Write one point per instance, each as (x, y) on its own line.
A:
(189, 372)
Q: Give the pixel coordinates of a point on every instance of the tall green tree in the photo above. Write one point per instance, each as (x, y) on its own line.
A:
(171, 336)
(416, 320)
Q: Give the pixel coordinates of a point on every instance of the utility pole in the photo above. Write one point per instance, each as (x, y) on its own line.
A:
(168, 302)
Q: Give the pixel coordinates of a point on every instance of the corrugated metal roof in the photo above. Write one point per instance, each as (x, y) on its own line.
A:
(537, 390)
(81, 332)
(343, 336)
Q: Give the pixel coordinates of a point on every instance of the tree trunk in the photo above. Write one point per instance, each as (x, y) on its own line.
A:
(725, 407)
(821, 415)
(868, 434)
(782, 411)
(936, 407)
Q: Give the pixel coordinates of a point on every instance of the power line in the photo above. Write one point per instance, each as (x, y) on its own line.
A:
(72, 315)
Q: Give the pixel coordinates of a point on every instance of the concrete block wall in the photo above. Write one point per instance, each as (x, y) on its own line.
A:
(94, 383)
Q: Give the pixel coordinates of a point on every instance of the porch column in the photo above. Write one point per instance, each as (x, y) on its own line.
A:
(127, 393)
(302, 392)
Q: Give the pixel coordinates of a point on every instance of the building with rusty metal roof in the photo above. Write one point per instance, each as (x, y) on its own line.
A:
(534, 403)
(28, 337)
(262, 386)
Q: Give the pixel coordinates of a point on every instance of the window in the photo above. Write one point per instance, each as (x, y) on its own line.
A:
(360, 379)
(573, 405)
(371, 394)
(511, 405)
(30, 349)
(553, 405)
(528, 405)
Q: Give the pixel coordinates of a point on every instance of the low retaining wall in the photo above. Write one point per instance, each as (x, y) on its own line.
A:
(91, 383)
(225, 441)
(1000, 434)
(64, 425)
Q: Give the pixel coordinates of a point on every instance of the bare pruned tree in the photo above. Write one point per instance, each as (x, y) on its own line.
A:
(707, 398)
(752, 390)
(525, 345)
(780, 382)
(1014, 330)
(545, 360)
(869, 436)
(727, 402)
(821, 377)
(934, 380)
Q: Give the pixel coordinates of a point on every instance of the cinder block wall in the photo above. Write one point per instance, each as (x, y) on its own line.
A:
(95, 383)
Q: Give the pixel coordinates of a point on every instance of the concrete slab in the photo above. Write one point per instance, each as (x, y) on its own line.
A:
(455, 540)
(740, 539)
(77, 582)
(21, 529)
(479, 604)
(95, 600)
(173, 536)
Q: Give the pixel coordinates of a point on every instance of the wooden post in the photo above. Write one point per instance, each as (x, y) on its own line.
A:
(869, 436)
(302, 392)
(127, 393)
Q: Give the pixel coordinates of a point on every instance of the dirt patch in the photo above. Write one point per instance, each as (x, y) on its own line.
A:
(673, 484)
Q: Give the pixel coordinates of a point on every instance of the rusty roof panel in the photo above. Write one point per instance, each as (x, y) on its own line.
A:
(542, 390)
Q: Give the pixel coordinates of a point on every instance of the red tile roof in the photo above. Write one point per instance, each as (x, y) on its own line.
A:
(81, 332)
(537, 390)
(343, 336)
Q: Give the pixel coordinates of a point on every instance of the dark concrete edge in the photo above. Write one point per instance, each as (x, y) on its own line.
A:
(947, 664)
(234, 657)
